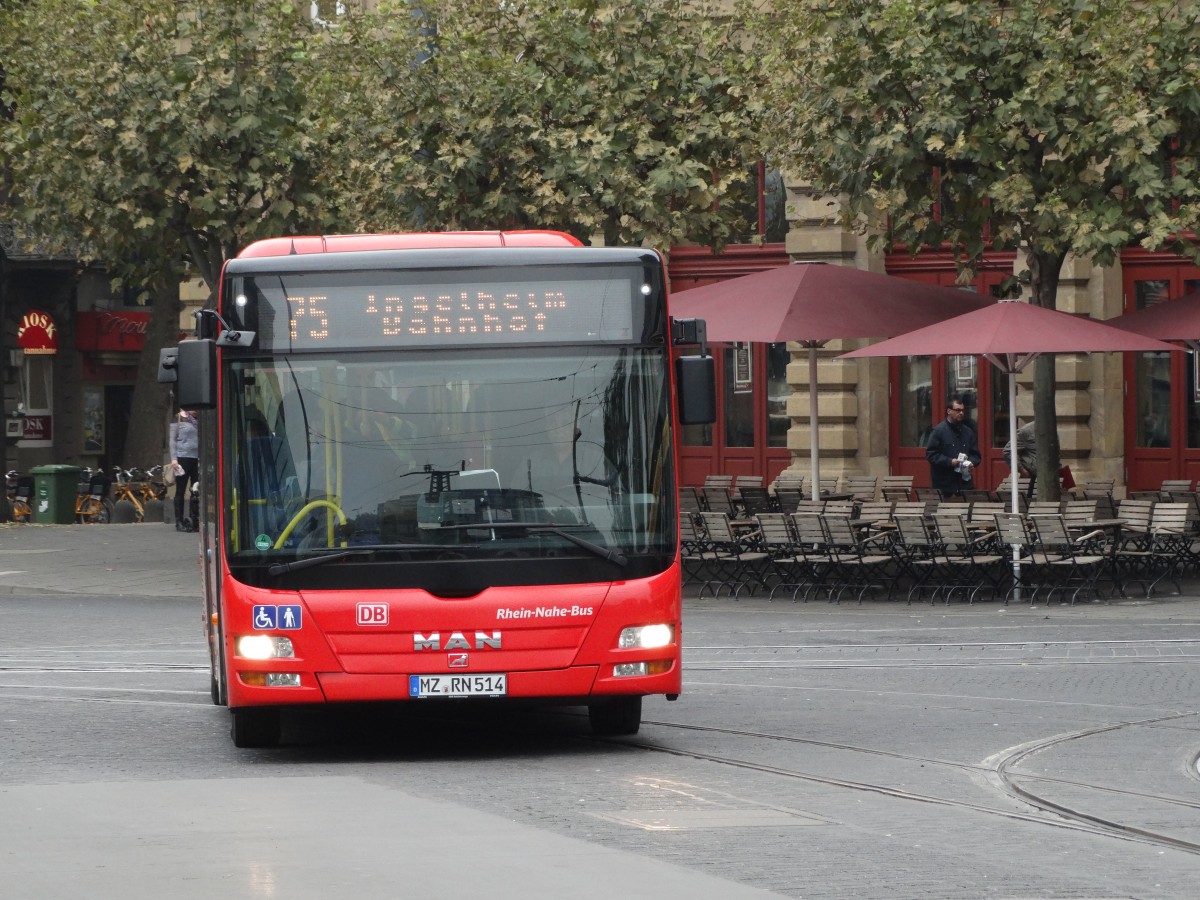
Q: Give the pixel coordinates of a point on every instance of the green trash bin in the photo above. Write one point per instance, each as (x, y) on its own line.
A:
(54, 490)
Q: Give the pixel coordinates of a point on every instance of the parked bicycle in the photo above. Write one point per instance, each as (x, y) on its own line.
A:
(93, 503)
(19, 489)
(127, 489)
(138, 488)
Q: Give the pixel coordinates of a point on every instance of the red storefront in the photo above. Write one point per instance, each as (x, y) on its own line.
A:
(109, 343)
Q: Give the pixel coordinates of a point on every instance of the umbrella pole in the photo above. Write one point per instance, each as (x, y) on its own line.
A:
(813, 450)
(1012, 476)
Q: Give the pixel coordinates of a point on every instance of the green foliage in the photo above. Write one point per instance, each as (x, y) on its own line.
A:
(1057, 126)
(159, 134)
(626, 119)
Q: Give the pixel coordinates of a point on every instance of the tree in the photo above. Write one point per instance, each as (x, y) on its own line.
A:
(1055, 127)
(624, 119)
(162, 137)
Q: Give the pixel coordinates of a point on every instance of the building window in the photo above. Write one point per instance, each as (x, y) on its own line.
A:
(763, 206)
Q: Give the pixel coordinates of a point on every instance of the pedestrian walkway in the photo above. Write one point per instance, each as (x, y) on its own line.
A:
(155, 560)
(146, 560)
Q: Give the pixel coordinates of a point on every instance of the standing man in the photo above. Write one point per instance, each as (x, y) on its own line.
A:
(953, 452)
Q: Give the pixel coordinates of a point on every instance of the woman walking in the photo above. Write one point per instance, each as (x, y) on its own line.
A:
(185, 452)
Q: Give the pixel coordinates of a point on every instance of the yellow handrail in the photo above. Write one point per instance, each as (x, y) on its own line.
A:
(287, 532)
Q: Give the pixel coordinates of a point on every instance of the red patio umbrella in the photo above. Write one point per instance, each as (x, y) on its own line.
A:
(1010, 335)
(813, 303)
(1173, 320)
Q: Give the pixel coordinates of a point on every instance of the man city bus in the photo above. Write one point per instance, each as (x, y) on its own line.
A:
(440, 466)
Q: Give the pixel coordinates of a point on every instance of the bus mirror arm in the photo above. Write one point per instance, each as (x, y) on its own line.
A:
(210, 324)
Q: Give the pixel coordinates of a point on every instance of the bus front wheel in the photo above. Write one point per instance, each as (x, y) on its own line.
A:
(614, 716)
(255, 726)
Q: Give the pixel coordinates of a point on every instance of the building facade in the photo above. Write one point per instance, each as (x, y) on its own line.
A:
(1132, 418)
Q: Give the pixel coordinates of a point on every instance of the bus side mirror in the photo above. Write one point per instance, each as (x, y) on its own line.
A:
(696, 382)
(195, 373)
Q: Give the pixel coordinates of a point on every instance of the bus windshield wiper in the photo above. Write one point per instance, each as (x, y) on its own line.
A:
(615, 556)
(322, 558)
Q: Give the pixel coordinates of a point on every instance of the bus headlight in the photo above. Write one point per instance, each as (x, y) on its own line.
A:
(646, 637)
(264, 646)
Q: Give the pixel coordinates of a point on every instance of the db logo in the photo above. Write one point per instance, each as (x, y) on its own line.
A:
(372, 614)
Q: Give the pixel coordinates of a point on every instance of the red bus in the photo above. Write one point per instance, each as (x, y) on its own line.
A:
(440, 466)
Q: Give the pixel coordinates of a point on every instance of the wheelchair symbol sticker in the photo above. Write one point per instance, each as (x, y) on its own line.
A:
(282, 618)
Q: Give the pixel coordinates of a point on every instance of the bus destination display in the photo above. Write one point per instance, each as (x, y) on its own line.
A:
(311, 313)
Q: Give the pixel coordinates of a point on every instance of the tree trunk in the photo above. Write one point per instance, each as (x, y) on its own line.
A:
(146, 435)
(1044, 270)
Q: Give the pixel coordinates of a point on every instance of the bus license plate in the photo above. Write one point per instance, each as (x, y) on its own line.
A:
(457, 685)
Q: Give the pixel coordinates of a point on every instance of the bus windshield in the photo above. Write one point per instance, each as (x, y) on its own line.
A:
(451, 454)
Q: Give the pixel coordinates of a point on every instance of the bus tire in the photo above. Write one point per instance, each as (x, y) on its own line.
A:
(614, 716)
(255, 726)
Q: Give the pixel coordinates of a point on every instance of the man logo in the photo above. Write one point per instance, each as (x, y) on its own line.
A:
(457, 661)
(481, 640)
(372, 614)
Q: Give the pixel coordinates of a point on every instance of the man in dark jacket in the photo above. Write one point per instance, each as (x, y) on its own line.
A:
(953, 452)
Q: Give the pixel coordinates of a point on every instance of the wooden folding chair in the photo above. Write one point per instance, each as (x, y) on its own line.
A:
(860, 563)
(788, 482)
(698, 559)
(813, 542)
(717, 500)
(788, 499)
(1174, 486)
(1015, 537)
(1133, 553)
(896, 487)
(718, 481)
(860, 487)
(788, 562)
(1071, 567)
(874, 511)
(689, 500)
(918, 552)
(1172, 542)
(970, 560)
(739, 561)
(755, 500)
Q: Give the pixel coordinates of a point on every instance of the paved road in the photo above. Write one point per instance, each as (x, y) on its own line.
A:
(68, 828)
(819, 751)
